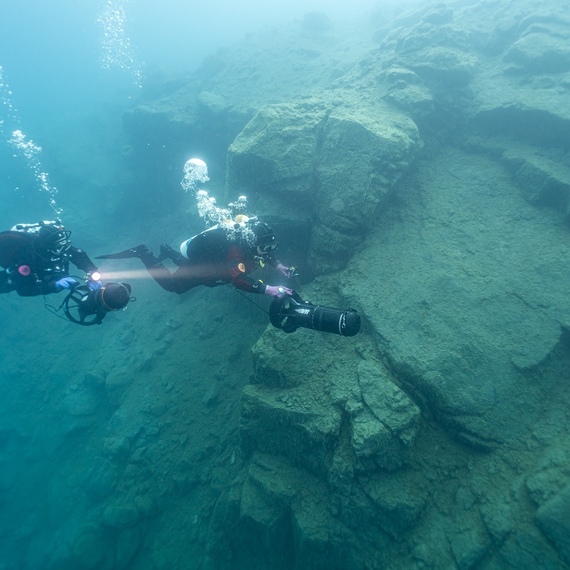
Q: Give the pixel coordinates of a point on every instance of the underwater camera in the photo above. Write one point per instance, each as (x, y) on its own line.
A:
(291, 312)
(86, 307)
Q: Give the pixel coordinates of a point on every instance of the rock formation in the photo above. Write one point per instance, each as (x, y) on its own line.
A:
(423, 158)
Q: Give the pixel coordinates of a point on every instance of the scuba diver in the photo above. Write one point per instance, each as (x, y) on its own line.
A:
(36, 258)
(224, 253)
(227, 253)
(86, 306)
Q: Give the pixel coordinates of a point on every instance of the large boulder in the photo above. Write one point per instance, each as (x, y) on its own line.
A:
(327, 159)
(520, 104)
(287, 509)
(462, 308)
(542, 47)
(554, 520)
(386, 425)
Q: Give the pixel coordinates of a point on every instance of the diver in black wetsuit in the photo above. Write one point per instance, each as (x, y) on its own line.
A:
(36, 258)
(222, 254)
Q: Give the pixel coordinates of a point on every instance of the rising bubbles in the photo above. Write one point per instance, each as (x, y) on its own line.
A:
(233, 217)
(24, 147)
(116, 47)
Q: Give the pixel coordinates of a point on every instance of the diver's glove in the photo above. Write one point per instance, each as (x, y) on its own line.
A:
(66, 283)
(278, 292)
(285, 271)
(94, 285)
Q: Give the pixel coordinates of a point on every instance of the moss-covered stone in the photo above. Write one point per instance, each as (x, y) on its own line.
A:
(339, 158)
(553, 520)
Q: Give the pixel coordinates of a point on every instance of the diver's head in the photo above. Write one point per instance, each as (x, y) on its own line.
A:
(265, 241)
(53, 239)
(115, 296)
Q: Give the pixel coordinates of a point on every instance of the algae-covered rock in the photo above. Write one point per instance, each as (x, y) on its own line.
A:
(89, 550)
(319, 541)
(416, 100)
(541, 52)
(384, 430)
(454, 311)
(551, 475)
(399, 500)
(370, 437)
(339, 158)
(129, 542)
(432, 43)
(469, 547)
(459, 272)
(542, 180)
(553, 518)
(120, 516)
(526, 549)
(269, 520)
(101, 480)
(212, 103)
(287, 510)
(265, 509)
(445, 64)
(364, 151)
(83, 400)
(388, 403)
(275, 152)
(277, 359)
(292, 424)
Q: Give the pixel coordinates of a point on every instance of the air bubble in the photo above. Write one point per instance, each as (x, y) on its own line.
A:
(117, 51)
(196, 172)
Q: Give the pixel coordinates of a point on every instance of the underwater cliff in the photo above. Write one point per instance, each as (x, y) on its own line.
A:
(415, 165)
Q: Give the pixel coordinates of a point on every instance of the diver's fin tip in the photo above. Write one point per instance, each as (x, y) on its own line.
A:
(126, 254)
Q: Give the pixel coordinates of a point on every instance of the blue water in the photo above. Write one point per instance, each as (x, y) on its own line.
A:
(50, 51)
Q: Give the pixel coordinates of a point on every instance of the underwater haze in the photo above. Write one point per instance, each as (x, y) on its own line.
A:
(405, 405)
(63, 62)
(51, 52)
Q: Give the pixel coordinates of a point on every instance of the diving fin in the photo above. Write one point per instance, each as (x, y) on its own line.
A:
(138, 251)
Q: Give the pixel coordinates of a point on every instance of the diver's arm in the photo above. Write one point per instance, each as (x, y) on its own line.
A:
(245, 283)
(251, 286)
(49, 286)
(81, 260)
(274, 263)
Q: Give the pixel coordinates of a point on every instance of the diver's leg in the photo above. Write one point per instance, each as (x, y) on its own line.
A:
(176, 282)
(167, 252)
(159, 272)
